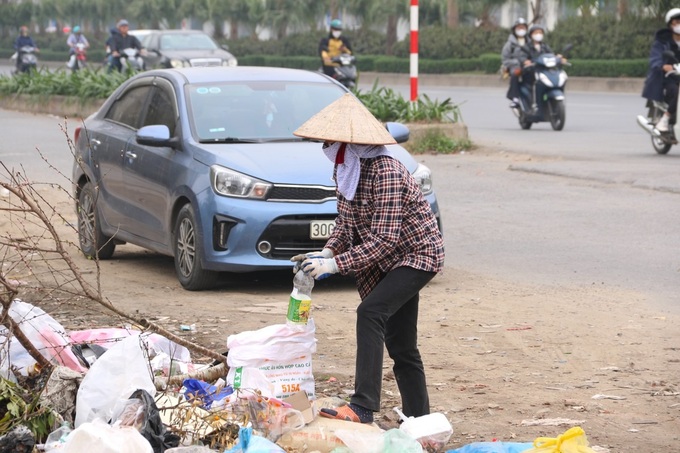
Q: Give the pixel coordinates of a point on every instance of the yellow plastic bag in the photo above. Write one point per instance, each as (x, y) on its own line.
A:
(571, 441)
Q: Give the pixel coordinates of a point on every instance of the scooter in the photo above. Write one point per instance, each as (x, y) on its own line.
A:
(131, 59)
(661, 141)
(81, 57)
(544, 99)
(346, 70)
(28, 61)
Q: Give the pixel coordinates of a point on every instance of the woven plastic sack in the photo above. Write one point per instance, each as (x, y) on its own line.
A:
(571, 441)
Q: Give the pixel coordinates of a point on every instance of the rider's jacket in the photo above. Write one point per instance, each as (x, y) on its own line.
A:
(653, 88)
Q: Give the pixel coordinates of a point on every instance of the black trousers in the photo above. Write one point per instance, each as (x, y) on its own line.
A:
(513, 88)
(670, 96)
(388, 317)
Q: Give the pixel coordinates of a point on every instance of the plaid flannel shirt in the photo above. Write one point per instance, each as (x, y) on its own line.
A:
(389, 224)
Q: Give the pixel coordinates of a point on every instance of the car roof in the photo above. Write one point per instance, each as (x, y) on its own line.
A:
(243, 73)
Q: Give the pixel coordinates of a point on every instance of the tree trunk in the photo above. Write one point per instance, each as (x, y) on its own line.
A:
(233, 29)
(391, 34)
(219, 28)
(452, 16)
(536, 12)
(622, 8)
(334, 9)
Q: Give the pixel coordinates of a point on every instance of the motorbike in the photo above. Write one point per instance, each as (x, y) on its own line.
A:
(346, 70)
(80, 61)
(28, 61)
(544, 99)
(661, 141)
(131, 59)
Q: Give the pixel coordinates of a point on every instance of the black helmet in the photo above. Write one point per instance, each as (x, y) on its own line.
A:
(519, 21)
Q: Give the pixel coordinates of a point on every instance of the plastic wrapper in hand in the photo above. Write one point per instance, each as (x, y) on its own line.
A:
(573, 440)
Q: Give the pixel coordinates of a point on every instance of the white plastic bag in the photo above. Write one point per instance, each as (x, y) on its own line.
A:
(111, 380)
(282, 353)
(101, 437)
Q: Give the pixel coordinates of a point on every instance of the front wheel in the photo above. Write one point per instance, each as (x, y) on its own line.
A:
(188, 251)
(557, 114)
(93, 243)
(660, 146)
(524, 123)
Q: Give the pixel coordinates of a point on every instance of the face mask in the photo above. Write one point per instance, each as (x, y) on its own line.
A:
(521, 32)
(676, 29)
(538, 37)
(336, 34)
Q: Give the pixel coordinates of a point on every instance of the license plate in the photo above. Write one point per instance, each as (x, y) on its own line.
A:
(321, 229)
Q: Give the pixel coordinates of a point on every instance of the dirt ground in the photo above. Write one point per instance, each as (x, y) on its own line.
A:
(503, 361)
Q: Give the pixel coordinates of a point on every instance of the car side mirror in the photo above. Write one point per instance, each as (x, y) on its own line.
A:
(225, 47)
(157, 135)
(398, 131)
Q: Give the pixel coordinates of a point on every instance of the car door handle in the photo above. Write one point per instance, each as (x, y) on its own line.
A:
(95, 142)
(130, 155)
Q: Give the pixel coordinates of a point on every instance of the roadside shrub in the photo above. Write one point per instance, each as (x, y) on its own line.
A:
(440, 43)
(605, 38)
(388, 105)
(436, 141)
(85, 84)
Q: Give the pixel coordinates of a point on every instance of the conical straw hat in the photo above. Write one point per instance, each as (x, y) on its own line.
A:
(346, 120)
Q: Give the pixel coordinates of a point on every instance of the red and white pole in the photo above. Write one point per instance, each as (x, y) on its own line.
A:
(414, 50)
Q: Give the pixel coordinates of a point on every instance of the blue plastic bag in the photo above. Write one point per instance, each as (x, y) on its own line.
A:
(494, 447)
(247, 443)
(205, 392)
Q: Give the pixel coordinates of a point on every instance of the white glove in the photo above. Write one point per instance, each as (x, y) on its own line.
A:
(298, 259)
(320, 267)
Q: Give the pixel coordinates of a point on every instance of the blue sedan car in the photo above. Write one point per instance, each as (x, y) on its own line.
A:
(201, 164)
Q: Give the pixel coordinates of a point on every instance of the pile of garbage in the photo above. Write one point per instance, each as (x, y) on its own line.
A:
(124, 390)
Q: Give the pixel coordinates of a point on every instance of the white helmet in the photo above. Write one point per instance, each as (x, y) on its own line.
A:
(672, 14)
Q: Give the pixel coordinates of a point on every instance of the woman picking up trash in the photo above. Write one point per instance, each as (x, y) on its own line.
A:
(388, 236)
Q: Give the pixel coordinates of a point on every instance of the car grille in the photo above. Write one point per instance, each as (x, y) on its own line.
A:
(289, 236)
(202, 62)
(307, 194)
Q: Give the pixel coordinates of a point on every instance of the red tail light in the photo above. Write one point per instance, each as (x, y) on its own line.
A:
(76, 135)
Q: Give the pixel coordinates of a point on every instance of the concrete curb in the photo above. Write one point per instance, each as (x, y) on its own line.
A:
(601, 84)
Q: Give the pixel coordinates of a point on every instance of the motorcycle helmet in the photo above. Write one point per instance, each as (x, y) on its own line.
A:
(519, 21)
(673, 13)
(535, 27)
(336, 24)
(76, 29)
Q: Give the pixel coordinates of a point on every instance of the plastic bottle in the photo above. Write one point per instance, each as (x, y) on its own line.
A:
(300, 301)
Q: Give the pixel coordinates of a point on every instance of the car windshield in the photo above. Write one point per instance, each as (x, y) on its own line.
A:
(255, 110)
(187, 41)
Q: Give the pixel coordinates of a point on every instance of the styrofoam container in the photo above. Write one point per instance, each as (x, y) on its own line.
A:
(433, 431)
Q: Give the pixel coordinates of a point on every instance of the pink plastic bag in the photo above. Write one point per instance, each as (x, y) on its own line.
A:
(45, 333)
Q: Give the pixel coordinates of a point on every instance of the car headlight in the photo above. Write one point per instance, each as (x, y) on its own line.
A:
(231, 183)
(424, 178)
(230, 62)
(176, 63)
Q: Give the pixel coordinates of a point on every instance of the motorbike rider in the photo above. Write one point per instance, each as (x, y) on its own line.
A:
(535, 47)
(511, 59)
(657, 86)
(73, 40)
(333, 45)
(119, 42)
(23, 40)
